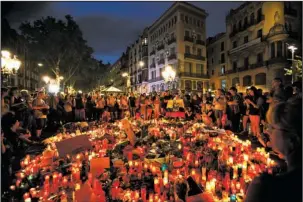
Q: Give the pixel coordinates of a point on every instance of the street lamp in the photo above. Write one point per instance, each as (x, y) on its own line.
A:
(141, 63)
(169, 75)
(46, 79)
(292, 48)
(40, 64)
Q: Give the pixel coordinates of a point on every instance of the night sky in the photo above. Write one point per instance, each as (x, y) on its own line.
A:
(109, 27)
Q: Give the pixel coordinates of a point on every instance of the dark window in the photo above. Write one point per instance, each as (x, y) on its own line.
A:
(212, 61)
(187, 49)
(212, 72)
(235, 66)
(175, 19)
(222, 46)
(235, 81)
(222, 58)
(273, 50)
(252, 18)
(199, 37)
(186, 19)
(260, 57)
(186, 33)
(246, 80)
(188, 85)
(260, 33)
(240, 25)
(246, 39)
(234, 27)
(235, 44)
(260, 79)
(279, 49)
(259, 15)
(245, 22)
(199, 52)
(246, 62)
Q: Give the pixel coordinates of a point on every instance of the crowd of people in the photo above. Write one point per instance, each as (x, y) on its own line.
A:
(25, 116)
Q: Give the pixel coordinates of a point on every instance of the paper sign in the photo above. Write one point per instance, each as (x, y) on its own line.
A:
(129, 131)
(98, 165)
(73, 145)
(175, 104)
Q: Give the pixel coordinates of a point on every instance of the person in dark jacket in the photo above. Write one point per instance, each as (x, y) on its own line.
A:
(89, 108)
(286, 140)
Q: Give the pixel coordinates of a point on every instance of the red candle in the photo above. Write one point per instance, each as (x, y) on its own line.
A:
(143, 193)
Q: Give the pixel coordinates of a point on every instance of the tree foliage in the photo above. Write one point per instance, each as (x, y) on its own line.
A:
(298, 68)
(59, 44)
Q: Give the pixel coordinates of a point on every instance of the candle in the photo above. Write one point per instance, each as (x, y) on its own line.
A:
(156, 185)
(65, 181)
(143, 193)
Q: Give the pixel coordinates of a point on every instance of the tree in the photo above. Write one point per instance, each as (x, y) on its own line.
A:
(298, 68)
(59, 44)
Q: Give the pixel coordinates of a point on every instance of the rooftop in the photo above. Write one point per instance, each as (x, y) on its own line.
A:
(215, 38)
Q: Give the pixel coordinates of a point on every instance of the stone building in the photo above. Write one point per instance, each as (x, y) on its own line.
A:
(138, 63)
(177, 39)
(256, 43)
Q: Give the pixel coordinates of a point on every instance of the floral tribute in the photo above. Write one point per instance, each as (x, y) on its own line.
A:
(165, 154)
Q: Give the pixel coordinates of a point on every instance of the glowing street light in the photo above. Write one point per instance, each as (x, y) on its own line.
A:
(125, 74)
(141, 63)
(169, 75)
(53, 88)
(46, 79)
(292, 48)
(9, 64)
(40, 64)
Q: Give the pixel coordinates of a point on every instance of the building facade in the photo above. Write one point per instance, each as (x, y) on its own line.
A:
(257, 38)
(177, 39)
(138, 63)
(28, 76)
(216, 60)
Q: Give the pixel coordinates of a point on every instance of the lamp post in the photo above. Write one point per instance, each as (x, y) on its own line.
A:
(169, 75)
(9, 64)
(293, 49)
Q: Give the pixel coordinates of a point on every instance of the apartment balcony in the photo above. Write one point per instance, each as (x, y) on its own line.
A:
(161, 47)
(195, 57)
(195, 75)
(161, 61)
(172, 57)
(290, 11)
(160, 78)
(200, 42)
(258, 64)
(152, 53)
(246, 45)
(153, 65)
(277, 60)
(172, 40)
(249, 26)
(188, 38)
